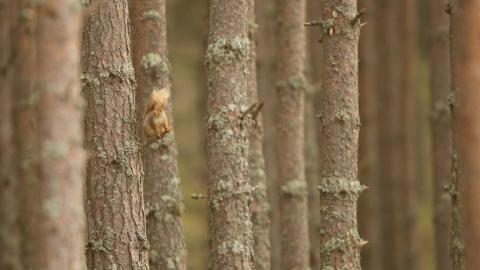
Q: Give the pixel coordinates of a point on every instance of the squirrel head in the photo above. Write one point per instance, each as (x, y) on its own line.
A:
(156, 112)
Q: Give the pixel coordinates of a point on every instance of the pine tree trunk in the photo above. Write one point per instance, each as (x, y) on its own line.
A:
(408, 53)
(441, 129)
(256, 160)
(291, 88)
(340, 243)
(313, 132)
(464, 98)
(48, 117)
(369, 204)
(10, 241)
(387, 83)
(116, 237)
(227, 136)
(163, 199)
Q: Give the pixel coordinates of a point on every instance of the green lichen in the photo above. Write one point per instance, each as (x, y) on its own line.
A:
(154, 64)
(295, 82)
(152, 15)
(341, 187)
(89, 80)
(124, 71)
(295, 187)
(223, 51)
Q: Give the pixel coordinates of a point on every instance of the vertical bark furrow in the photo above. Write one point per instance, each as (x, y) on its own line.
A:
(163, 199)
(116, 236)
(227, 136)
(339, 188)
(291, 88)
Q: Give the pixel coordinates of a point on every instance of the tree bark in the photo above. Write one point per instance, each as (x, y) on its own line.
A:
(10, 232)
(48, 131)
(369, 204)
(464, 98)
(339, 188)
(227, 136)
(441, 129)
(256, 160)
(116, 237)
(408, 198)
(163, 199)
(291, 88)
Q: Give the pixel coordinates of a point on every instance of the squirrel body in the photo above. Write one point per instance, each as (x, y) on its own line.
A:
(154, 118)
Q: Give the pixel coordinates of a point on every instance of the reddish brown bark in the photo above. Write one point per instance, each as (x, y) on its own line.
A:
(163, 199)
(256, 160)
(409, 248)
(465, 97)
(291, 88)
(441, 129)
(339, 188)
(227, 136)
(48, 131)
(369, 203)
(10, 240)
(116, 237)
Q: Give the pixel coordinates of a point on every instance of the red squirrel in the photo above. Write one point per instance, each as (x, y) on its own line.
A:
(154, 117)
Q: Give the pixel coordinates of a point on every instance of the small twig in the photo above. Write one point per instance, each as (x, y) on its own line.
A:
(359, 14)
(198, 196)
(363, 24)
(256, 111)
(249, 109)
(158, 138)
(363, 243)
(313, 23)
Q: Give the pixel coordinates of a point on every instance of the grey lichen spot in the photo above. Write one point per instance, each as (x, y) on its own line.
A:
(104, 75)
(341, 187)
(89, 80)
(52, 207)
(85, 2)
(153, 63)
(295, 188)
(54, 149)
(152, 15)
(296, 82)
(440, 113)
(101, 153)
(348, 241)
(124, 71)
(221, 51)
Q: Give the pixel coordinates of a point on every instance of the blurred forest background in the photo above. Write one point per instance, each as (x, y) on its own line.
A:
(187, 35)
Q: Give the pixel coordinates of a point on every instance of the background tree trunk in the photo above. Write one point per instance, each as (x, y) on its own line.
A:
(291, 88)
(227, 136)
(465, 97)
(163, 199)
(116, 237)
(369, 203)
(256, 161)
(339, 187)
(387, 80)
(10, 231)
(408, 56)
(441, 129)
(48, 131)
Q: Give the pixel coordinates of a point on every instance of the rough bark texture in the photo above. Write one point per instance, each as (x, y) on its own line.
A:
(116, 237)
(227, 136)
(10, 233)
(441, 129)
(409, 249)
(163, 199)
(291, 88)
(464, 98)
(256, 160)
(369, 203)
(313, 132)
(387, 79)
(48, 134)
(339, 188)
